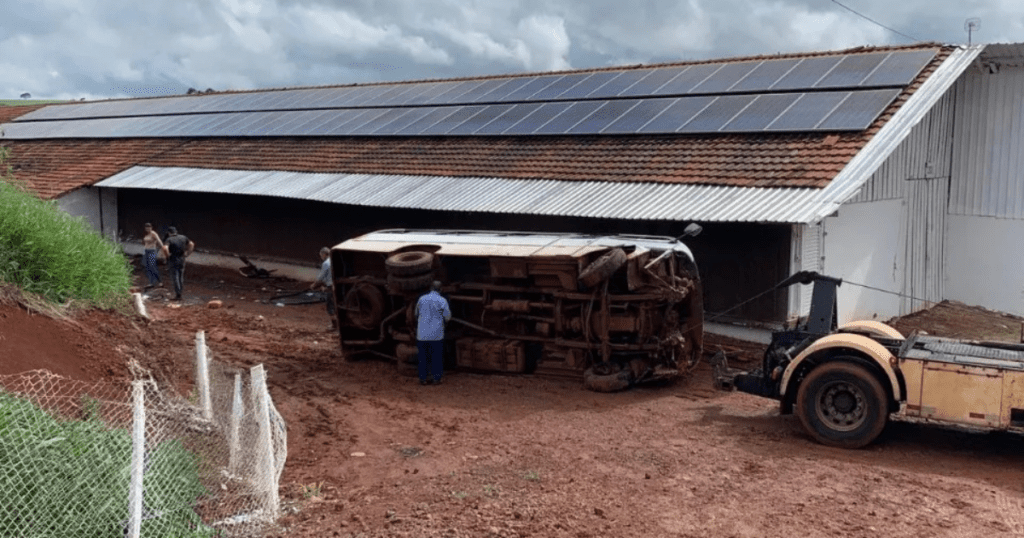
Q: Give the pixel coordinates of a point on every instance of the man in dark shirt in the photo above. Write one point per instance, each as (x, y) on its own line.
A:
(176, 249)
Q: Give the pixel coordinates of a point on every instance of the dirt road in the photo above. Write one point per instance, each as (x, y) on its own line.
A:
(517, 456)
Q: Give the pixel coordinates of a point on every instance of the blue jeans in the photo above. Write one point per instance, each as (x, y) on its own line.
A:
(177, 267)
(151, 272)
(432, 353)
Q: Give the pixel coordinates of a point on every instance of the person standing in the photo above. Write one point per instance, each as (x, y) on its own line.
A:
(153, 245)
(325, 280)
(431, 314)
(177, 248)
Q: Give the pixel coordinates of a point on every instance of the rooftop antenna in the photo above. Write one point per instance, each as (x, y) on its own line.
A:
(970, 26)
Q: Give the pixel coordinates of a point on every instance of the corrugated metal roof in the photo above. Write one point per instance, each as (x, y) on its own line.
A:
(632, 201)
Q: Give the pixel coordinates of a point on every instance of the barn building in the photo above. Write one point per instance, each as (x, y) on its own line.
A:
(898, 169)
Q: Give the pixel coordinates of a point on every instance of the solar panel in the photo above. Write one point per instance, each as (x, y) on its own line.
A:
(900, 68)
(508, 118)
(369, 122)
(498, 94)
(160, 126)
(238, 103)
(852, 70)
(535, 85)
(432, 90)
(677, 114)
(315, 124)
(435, 115)
(588, 85)
(190, 124)
(639, 115)
(765, 75)
(403, 121)
(725, 78)
(480, 119)
(721, 111)
(375, 121)
(618, 84)
(457, 89)
(604, 116)
(396, 98)
(807, 73)
(537, 118)
(572, 115)
(344, 127)
(223, 126)
(650, 84)
(299, 119)
(559, 86)
(688, 79)
(859, 110)
(483, 89)
(335, 120)
(384, 92)
(761, 112)
(808, 111)
(449, 122)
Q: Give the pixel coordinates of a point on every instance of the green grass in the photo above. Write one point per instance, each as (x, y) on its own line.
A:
(71, 478)
(27, 102)
(45, 251)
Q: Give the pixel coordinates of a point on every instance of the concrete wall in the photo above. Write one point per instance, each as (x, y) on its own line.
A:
(863, 244)
(97, 206)
(985, 262)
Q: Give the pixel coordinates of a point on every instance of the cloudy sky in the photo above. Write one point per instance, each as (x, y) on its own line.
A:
(70, 49)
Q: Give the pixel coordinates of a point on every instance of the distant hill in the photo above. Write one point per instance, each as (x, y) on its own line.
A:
(27, 102)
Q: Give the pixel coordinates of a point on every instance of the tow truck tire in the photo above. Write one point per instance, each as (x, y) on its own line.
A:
(842, 405)
(415, 262)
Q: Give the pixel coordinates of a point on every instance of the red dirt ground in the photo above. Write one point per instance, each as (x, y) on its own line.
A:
(518, 456)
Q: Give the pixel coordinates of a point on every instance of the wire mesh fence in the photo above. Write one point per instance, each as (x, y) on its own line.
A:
(135, 459)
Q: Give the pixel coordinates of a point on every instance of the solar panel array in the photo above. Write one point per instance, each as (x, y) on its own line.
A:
(834, 93)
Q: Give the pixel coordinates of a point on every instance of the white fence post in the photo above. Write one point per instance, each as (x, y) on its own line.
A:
(237, 411)
(203, 375)
(135, 492)
(267, 470)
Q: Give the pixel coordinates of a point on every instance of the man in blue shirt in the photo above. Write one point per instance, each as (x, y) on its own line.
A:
(431, 314)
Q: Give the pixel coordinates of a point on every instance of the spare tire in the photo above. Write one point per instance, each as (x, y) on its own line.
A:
(364, 305)
(603, 267)
(414, 262)
(410, 283)
(612, 382)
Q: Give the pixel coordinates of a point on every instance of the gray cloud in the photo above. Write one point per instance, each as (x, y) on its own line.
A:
(110, 48)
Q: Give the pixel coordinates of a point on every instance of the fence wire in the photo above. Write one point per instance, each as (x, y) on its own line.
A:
(66, 452)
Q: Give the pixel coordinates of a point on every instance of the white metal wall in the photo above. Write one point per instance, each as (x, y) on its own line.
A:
(984, 251)
(988, 156)
(925, 154)
(806, 249)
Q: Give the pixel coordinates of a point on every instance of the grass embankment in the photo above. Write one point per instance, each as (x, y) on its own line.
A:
(28, 102)
(46, 252)
(71, 479)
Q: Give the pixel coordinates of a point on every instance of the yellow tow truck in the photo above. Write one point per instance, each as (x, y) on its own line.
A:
(845, 382)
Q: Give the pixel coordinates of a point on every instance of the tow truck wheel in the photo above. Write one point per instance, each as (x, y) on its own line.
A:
(842, 405)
